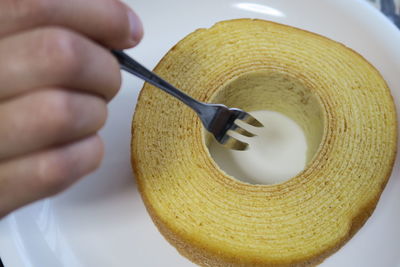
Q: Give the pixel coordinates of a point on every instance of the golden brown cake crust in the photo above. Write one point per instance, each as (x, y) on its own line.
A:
(215, 220)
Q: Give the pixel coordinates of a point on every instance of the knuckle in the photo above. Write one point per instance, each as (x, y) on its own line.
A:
(31, 10)
(117, 81)
(53, 174)
(101, 114)
(94, 159)
(60, 52)
(113, 79)
(98, 157)
(64, 114)
(59, 169)
(57, 111)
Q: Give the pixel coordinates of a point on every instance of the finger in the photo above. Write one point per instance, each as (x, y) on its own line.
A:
(56, 57)
(109, 22)
(43, 174)
(46, 118)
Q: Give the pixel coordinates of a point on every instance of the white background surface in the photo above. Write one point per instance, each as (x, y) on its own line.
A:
(101, 220)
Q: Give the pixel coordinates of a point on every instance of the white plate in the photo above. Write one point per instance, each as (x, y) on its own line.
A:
(101, 221)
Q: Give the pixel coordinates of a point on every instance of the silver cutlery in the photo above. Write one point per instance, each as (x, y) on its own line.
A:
(218, 119)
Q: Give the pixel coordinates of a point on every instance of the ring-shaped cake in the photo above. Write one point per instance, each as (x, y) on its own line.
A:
(339, 99)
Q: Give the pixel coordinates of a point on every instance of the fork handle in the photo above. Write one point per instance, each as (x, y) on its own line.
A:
(132, 66)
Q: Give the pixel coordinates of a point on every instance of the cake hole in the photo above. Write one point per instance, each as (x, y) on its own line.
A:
(276, 154)
(292, 133)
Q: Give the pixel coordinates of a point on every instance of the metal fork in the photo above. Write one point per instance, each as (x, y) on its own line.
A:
(216, 118)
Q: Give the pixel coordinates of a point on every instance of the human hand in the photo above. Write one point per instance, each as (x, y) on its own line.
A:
(56, 77)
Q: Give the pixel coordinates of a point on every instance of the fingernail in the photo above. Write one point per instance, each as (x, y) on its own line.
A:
(136, 27)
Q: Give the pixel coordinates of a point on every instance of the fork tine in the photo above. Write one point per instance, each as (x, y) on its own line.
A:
(237, 129)
(232, 143)
(247, 118)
